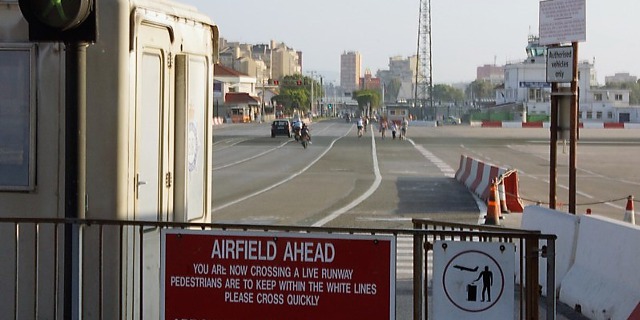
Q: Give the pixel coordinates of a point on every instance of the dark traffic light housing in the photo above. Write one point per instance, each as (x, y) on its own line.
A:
(60, 20)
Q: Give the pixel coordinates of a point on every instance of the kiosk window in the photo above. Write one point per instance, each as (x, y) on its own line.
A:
(17, 119)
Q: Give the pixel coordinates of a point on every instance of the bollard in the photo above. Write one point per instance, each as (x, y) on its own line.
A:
(629, 214)
(493, 208)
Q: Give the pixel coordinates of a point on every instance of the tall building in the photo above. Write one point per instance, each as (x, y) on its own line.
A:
(404, 71)
(491, 73)
(350, 71)
(284, 61)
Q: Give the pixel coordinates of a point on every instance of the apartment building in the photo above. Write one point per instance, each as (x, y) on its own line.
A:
(350, 64)
(527, 90)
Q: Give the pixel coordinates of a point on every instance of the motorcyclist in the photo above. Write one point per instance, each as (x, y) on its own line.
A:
(297, 127)
(305, 132)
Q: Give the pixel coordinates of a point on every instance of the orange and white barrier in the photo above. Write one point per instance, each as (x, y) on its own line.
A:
(217, 120)
(493, 207)
(630, 214)
(477, 175)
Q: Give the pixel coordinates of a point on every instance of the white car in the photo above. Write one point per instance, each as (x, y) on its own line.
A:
(452, 120)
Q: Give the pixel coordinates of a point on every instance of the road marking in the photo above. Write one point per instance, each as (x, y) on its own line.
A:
(301, 171)
(251, 158)
(362, 197)
(449, 172)
(404, 258)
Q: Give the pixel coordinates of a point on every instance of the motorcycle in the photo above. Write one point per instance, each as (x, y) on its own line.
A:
(296, 133)
(305, 138)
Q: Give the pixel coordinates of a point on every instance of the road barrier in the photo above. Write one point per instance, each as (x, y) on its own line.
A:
(630, 214)
(477, 175)
(596, 262)
(218, 120)
(537, 124)
(564, 226)
(493, 207)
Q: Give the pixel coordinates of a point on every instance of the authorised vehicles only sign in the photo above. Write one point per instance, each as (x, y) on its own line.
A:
(276, 275)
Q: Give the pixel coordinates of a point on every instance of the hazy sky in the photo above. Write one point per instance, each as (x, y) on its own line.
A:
(465, 33)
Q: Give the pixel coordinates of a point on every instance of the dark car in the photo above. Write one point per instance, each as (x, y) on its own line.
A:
(280, 127)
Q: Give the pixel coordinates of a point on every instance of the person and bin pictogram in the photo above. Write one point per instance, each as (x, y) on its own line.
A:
(487, 281)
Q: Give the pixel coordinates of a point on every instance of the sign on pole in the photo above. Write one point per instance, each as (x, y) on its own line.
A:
(276, 275)
(560, 64)
(562, 21)
(473, 280)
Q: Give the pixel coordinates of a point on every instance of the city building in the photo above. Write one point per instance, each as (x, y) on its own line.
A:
(350, 63)
(620, 78)
(368, 82)
(527, 93)
(262, 61)
(284, 61)
(234, 95)
(491, 73)
(402, 70)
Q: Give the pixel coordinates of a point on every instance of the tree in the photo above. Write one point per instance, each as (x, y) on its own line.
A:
(295, 92)
(481, 89)
(367, 98)
(633, 87)
(447, 93)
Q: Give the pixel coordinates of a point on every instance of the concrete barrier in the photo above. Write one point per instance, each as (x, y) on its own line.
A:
(585, 125)
(565, 227)
(217, 120)
(604, 280)
(477, 176)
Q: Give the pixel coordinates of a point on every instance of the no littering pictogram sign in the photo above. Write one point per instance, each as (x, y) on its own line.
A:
(473, 280)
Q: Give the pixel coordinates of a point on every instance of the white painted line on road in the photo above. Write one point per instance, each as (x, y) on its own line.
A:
(384, 219)
(250, 158)
(362, 197)
(228, 204)
(449, 172)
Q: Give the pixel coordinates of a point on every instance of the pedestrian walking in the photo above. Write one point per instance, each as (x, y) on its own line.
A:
(394, 129)
(403, 128)
(383, 128)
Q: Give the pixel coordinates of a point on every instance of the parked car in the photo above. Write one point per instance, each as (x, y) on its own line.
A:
(280, 127)
(452, 120)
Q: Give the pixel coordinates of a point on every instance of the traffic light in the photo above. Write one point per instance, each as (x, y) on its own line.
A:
(276, 82)
(329, 106)
(60, 20)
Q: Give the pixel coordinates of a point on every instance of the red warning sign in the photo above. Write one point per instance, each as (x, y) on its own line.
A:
(251, 275)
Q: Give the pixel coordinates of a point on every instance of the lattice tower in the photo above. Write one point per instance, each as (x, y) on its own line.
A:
(424, 76)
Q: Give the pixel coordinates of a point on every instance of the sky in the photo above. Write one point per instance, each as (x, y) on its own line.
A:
(465, 33)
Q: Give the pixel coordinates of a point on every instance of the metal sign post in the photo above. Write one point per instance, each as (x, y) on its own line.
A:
(563, 21)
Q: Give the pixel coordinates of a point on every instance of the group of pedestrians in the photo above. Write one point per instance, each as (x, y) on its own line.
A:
(393, 126)
(383, 126)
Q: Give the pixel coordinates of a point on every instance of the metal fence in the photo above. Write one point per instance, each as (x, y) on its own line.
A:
(109, 269)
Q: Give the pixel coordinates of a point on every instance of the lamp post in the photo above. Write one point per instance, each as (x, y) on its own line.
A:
(312, 106)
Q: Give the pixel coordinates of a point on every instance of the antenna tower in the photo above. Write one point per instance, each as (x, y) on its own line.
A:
(424, 76)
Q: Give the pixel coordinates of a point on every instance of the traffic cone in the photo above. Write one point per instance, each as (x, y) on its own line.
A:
(629, 214)
(503, 198)
(493, 208)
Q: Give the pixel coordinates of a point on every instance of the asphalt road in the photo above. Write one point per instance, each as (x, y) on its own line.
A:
(274, 180)
(345, 181)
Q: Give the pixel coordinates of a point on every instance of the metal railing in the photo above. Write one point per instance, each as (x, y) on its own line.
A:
(109, 269)
(532, 245)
